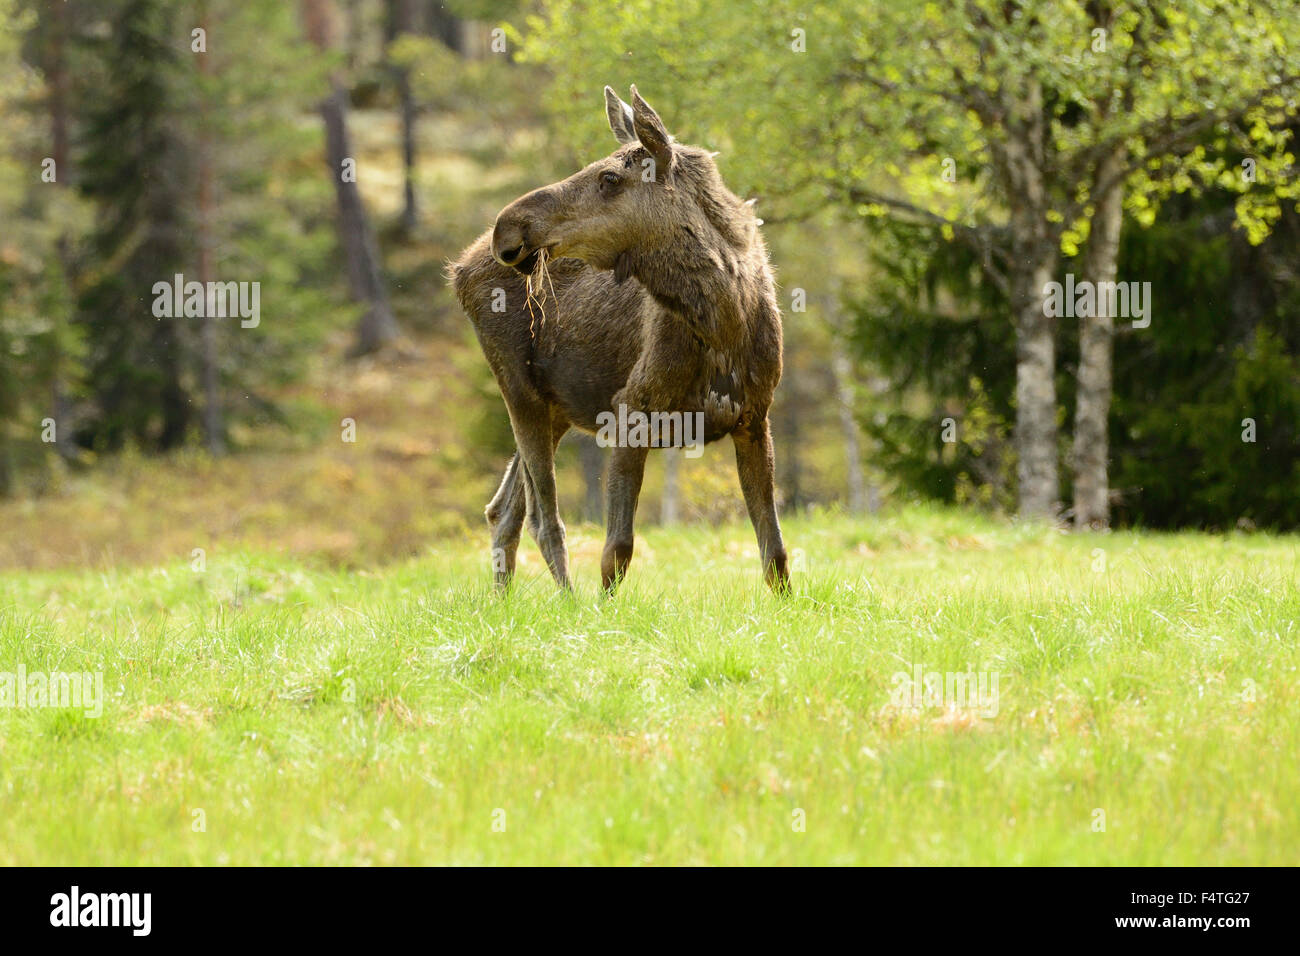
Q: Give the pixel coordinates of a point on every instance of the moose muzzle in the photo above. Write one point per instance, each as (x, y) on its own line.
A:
(521, 230)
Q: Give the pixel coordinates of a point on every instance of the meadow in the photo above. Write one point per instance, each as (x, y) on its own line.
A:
(263, 708)
(297, 654)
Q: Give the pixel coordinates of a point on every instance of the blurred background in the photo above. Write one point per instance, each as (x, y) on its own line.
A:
(922, 171)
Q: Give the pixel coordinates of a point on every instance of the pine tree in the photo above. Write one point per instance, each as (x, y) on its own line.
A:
(140, 171)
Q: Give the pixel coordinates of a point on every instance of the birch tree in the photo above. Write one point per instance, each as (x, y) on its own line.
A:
(1006, 125)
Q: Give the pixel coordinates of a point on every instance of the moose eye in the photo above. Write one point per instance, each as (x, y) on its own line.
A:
(610, 180)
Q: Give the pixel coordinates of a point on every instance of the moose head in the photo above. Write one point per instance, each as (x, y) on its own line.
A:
(635, 198)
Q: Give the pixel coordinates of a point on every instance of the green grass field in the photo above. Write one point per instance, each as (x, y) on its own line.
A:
(268, 711)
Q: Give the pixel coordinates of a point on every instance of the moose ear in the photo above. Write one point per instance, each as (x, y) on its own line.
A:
(620, 117)
(651, 132)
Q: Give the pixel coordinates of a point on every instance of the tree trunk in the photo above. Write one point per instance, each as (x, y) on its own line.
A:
(857, 486)
(792, 471)
(57, 73)
(213, 433)
(671, 506)
(57, 77)
(1092, 411)
(1034, 257)
(377, 327)
(447, 27)
(402, 19)
(1035, 430)
(592, 462)
(409, 214)
(353, 32)
(174, 401)
(6, 467)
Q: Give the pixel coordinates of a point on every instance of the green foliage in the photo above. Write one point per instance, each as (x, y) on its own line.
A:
(492, 91)
(812, 102)
(80, 264)
(933, 326)
(40, 349)
(139, 170)
(1223, 347)
(712, 69)
(489, 10)
(912, 115)
(254, 114)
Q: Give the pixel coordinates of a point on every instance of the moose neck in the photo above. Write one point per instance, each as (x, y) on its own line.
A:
(705, 280)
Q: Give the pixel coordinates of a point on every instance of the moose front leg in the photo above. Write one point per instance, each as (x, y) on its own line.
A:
(626, 471)
(756, 465)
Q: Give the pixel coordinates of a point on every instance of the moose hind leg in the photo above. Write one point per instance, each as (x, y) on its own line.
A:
(505, 516)
(756, 466)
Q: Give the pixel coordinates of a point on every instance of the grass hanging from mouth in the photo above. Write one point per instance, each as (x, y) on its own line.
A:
(537, 282)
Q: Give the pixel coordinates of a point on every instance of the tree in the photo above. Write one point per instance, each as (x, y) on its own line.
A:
(670, 502)
(1145, 136)
(57, 20)
(213, 430)
(1205, 418)
(402, 19)
(190, 162)
(932, 326)
(1205, 426)
(377, 326)
(40, 349)
(591, 461)
(994, 123)
(139, 169)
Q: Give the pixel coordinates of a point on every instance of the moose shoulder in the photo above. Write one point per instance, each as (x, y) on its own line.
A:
(640, 284)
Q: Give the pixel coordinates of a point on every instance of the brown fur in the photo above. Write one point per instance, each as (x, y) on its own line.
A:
(651, 288)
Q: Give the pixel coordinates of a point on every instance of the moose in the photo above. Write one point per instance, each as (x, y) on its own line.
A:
(639, 283)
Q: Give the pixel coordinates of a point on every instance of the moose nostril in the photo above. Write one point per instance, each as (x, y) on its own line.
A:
(511, 256)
